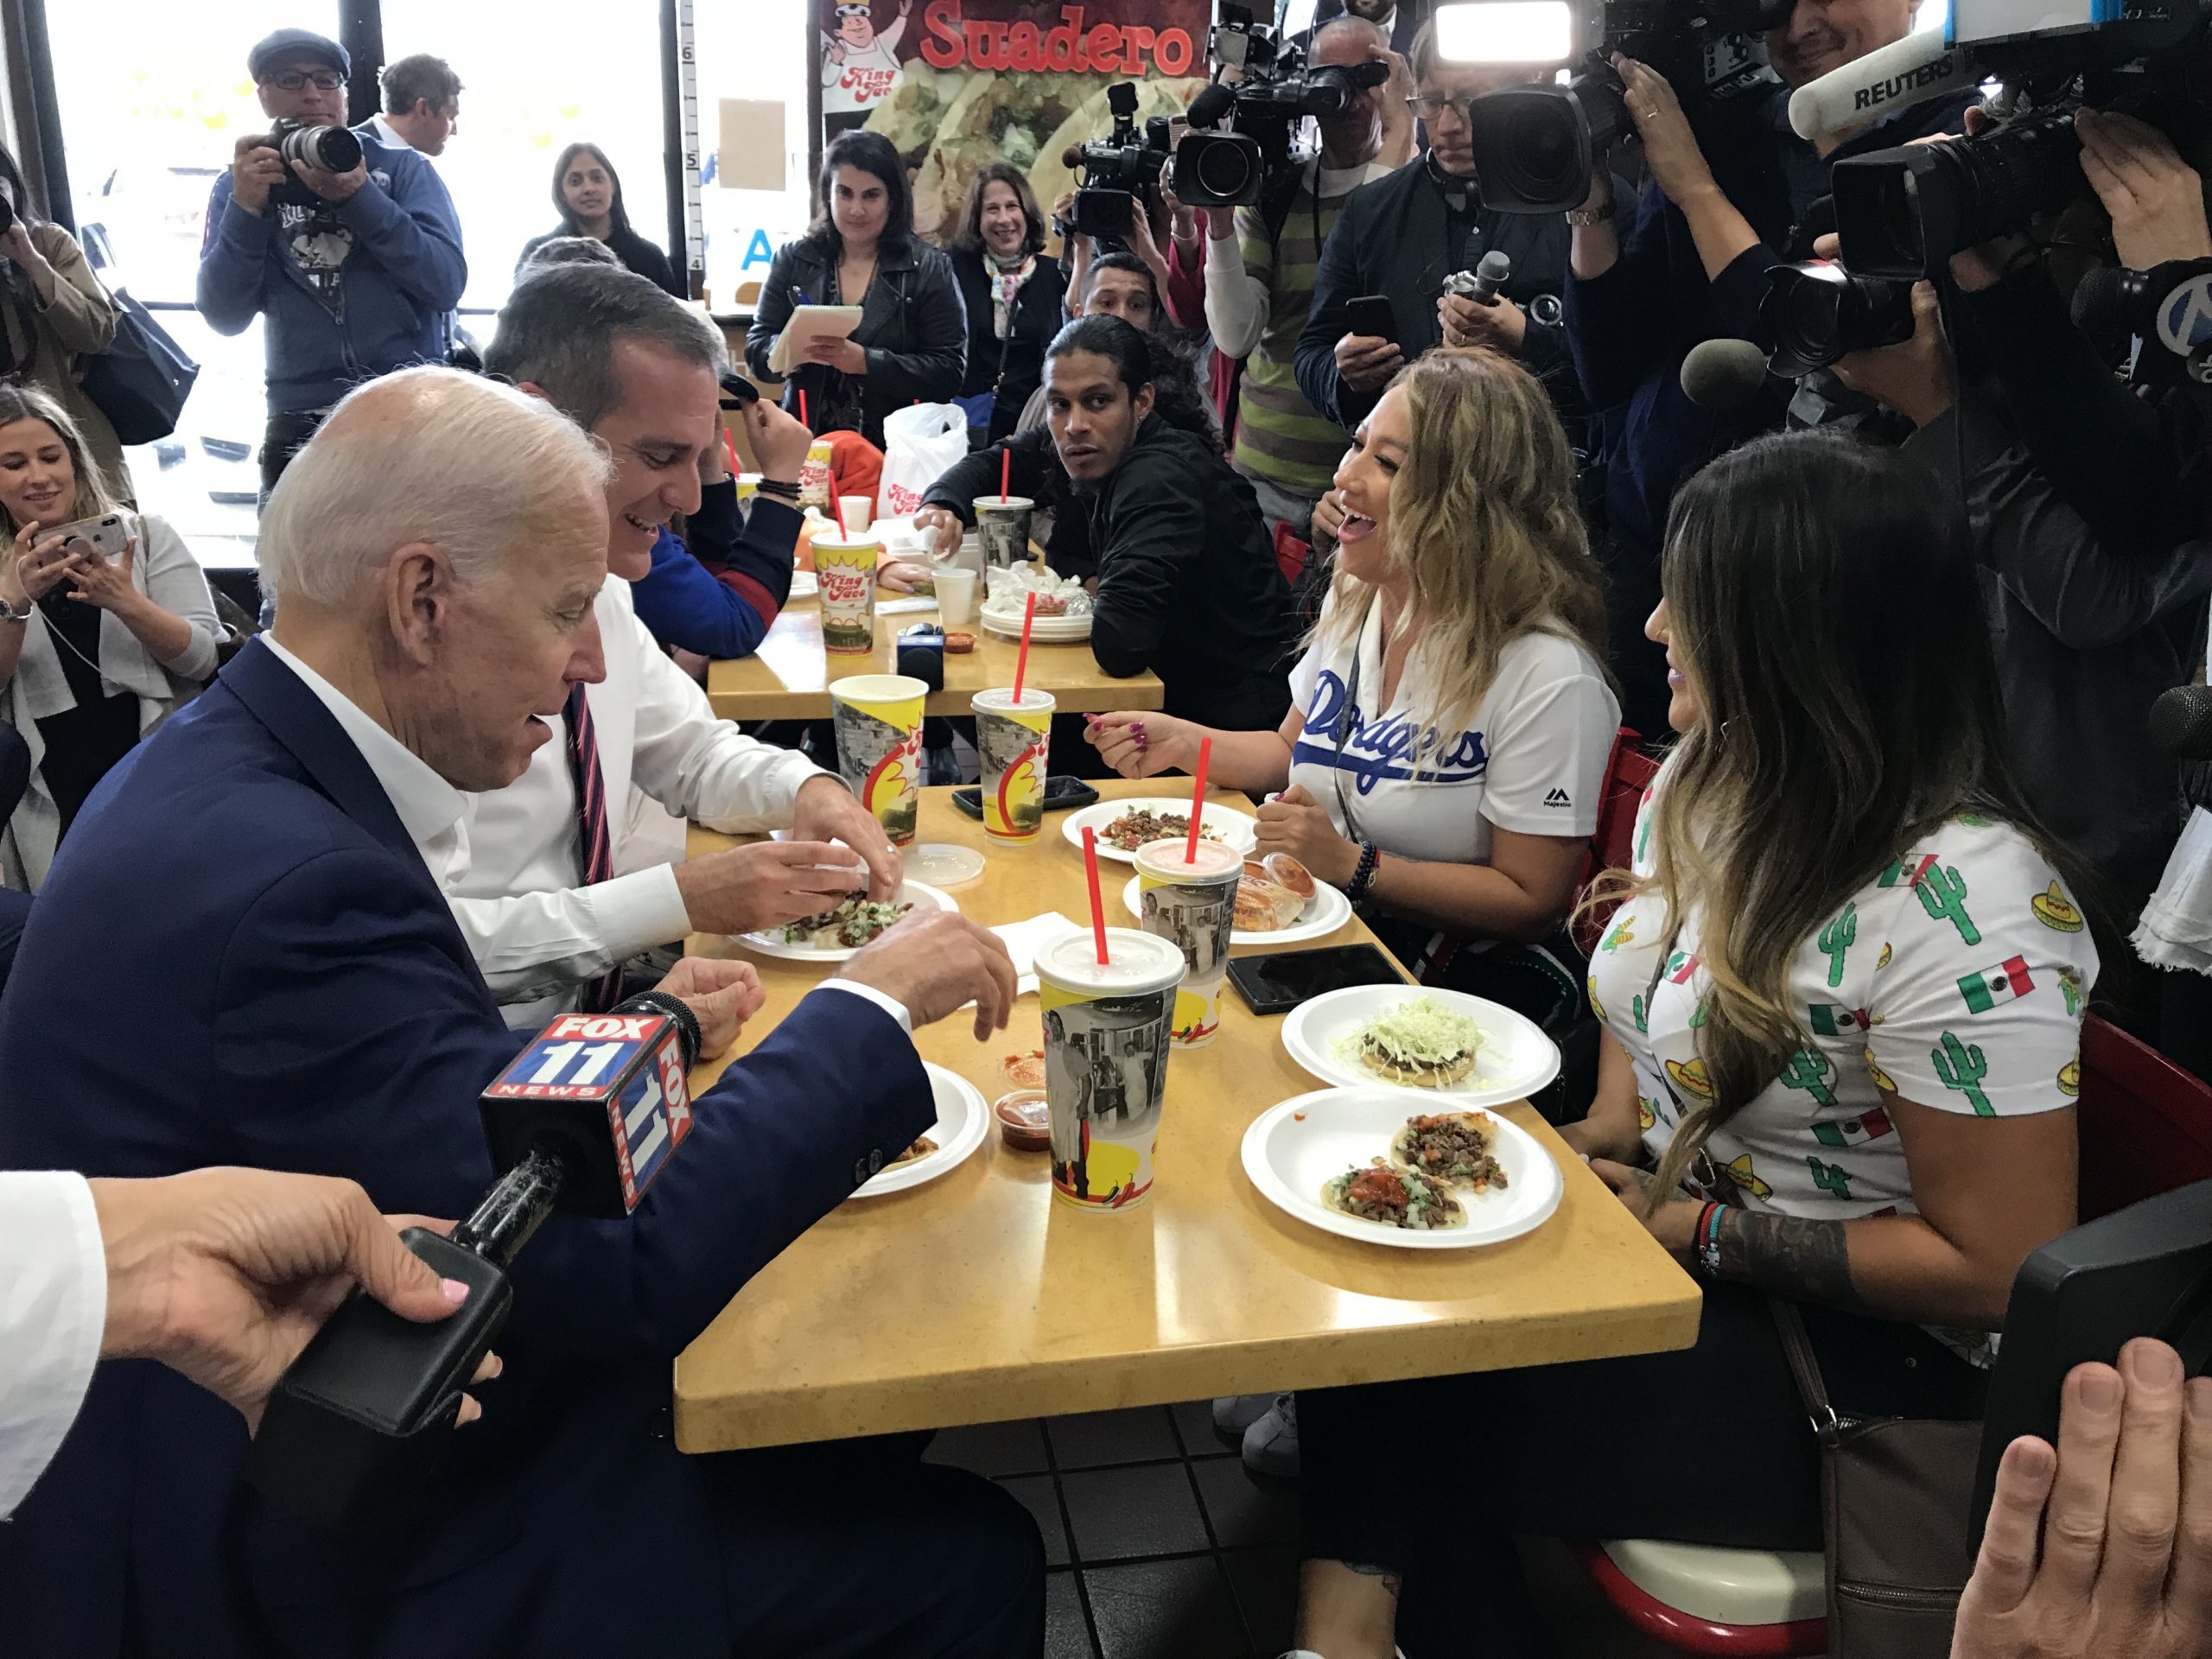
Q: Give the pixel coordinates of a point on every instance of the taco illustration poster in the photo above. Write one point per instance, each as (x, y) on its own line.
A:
(955, 83)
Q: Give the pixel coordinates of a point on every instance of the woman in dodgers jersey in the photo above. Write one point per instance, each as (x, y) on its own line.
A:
(1843, 1000)
(1451, 721)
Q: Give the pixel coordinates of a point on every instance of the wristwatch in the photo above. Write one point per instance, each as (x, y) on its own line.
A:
(9, 613)
(1583, 218)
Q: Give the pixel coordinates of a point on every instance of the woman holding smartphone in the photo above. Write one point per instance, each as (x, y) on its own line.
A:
(105, 630)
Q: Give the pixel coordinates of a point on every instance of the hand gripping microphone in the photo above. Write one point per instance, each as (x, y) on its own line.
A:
(581, 1123)
(1492, 273)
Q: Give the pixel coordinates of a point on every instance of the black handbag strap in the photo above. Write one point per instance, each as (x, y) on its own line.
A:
(1805, 1367)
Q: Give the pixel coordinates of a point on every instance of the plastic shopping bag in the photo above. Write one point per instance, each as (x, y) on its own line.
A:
(921, 444)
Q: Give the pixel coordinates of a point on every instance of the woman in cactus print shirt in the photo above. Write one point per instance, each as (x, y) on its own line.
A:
(1842, 998)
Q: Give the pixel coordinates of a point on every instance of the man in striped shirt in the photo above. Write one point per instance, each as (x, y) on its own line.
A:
(1260, 272)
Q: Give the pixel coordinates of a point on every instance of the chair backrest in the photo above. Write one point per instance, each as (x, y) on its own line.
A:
(2146, 1124)
(1627, 774)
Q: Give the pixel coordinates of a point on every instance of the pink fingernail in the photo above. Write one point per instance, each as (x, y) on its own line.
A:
(456, 1293)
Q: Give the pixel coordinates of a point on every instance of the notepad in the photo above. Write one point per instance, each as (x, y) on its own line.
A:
(809, 323)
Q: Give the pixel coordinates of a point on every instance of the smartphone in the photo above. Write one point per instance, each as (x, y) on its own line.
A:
(104, 535)
(1373, 313)
(738, 391)
(1279, 981)
(1060, 793)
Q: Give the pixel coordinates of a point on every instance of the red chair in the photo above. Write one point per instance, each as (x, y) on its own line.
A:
(1290, 552)
(1628, 775)
(2145, 1127)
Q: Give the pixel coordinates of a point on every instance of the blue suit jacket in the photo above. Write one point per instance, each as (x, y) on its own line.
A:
(239, 957)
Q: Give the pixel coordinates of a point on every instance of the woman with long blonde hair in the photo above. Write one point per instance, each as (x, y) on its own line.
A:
(1450, 720)
(1842, 999)
(95, 649)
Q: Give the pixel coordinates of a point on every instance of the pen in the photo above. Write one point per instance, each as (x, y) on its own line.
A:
(799, 296)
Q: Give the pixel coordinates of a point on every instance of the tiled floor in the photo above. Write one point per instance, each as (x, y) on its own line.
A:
(1160, 1546)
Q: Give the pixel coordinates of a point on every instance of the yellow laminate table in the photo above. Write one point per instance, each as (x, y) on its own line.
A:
(788, 677)
(977, 1298)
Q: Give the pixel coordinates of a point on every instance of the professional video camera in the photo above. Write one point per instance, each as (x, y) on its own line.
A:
(332, 148)
(1119, 173)
(1903, 213)
(1266, 107)
(1537, 148)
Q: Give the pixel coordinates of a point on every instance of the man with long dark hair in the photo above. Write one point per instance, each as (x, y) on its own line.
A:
(356, 271)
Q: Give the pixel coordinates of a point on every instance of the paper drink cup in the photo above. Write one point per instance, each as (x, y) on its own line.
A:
(879, 722)
(1013, 740)
(1194, 906)
(1106, 1047)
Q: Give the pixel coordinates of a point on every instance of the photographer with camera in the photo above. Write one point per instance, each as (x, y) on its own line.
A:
(1399, 239)
(351, 249)
(1262, 262)
(2090, 621)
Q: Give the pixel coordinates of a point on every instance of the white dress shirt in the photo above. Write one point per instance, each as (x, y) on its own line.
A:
(384, 133)
(537, 932)
(53, 1308)
(435, 815)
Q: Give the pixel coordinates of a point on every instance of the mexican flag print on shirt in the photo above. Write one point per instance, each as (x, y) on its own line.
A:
(1828, 1020)
(1984, 991)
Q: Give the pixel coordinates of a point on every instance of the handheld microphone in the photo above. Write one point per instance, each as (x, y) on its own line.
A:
(2181, 722)
(581, 1122)
(1894, 77)
(1492, 272)
(1723, 375)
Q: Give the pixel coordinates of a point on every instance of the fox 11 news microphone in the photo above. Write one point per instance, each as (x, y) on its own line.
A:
(581, 1121)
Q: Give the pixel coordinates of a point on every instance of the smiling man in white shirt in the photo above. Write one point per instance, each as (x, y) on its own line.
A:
(640, 372)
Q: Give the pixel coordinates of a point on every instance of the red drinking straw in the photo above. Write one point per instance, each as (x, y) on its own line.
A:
(1006, 475)
(846, 534)
(1097, 903)
(1197, 798)
(1021, 663)
(802, 421)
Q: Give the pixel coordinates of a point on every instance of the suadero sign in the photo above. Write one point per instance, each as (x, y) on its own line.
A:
(1094, 39)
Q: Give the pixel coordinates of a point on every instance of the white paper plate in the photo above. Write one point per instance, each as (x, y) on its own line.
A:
(770, 943)
(1516, 1061)
(1325, 912)
(1291, 1149)
(1237, 829)
(804, 584)
(1046, 631)
(963, 1119)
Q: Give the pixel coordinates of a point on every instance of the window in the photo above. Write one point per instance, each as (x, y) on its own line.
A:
(751, 55)
(153, 97)
(533, 82)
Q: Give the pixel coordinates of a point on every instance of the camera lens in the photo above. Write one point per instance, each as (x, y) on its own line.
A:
(1819, 312)
(1532, 148)
(332, 148)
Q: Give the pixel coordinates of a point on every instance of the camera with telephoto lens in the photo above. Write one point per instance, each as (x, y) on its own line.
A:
(1266, 109)
(1537, 149)
(332, 148)
(1819, 311)
(1904, 212)
(1120, 172)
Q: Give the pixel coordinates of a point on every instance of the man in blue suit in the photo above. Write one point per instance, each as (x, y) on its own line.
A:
(243, 955)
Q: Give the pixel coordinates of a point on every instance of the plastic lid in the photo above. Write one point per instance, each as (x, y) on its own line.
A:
(943, 865)
(1136, 961)
(1172, 858)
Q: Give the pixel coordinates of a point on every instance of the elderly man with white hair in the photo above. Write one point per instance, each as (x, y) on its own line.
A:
(245, 955)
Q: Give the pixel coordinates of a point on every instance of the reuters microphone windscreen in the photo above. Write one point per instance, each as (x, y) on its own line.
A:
(1891, 78)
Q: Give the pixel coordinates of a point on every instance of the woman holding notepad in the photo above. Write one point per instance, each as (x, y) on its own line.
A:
(911, 344)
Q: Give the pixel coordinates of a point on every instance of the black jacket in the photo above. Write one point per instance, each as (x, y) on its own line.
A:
(1401, 236)
(1188, 586)
(912, 328)
(635, 252)
(1013, 368)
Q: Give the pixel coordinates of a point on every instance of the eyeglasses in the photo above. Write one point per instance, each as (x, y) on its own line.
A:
(323, 80)
(1427, 106)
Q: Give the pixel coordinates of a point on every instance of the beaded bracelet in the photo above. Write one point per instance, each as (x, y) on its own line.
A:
(1709, 1249)
(1364, 877)
(1697, 1232)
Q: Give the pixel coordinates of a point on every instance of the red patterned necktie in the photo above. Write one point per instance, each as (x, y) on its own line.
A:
(594, 849)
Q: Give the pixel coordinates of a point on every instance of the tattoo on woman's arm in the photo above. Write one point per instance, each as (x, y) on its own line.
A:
(1788, 1255)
